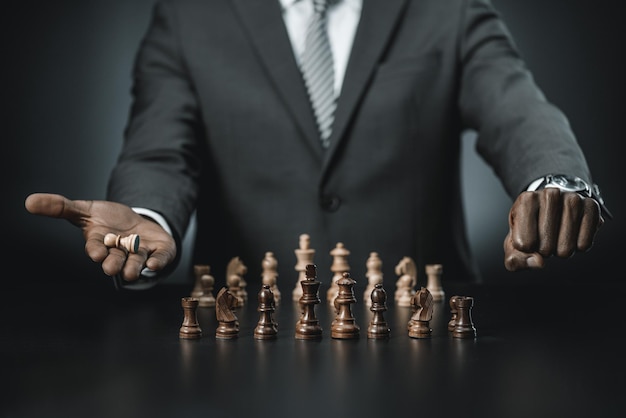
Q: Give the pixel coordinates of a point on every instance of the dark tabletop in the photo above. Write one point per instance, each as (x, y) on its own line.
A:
(84, 349)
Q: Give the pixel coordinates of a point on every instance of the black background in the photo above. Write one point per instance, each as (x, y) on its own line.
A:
(67, 67)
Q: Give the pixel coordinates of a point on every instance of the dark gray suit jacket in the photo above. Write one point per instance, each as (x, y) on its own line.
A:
(221, 122)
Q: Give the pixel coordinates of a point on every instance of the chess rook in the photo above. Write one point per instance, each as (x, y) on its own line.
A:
(453, 312)
(190, 329)
(308, 326)
(129, 243)
(463, 325)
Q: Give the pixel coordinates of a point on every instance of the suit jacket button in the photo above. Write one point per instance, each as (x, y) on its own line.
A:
(330, 202)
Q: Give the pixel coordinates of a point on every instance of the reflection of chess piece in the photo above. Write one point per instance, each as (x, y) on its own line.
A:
(344, 325)
(434, 273)
(225, 305)
(374, 276)
(463, 325)
(270, 274)
(235, 281)
(422, 305)
(340, 265)
(308, 327)
(304, 255)
(378, 328)
(190, 329)
(407, 272)
(266, 328)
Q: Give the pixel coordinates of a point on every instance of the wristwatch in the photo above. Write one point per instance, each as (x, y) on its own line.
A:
(575, 184)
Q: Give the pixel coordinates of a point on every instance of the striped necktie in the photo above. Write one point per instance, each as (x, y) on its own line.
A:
(318, 71)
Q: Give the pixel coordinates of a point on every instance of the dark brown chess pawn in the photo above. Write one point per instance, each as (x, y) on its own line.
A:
(225, 305)
(452, 313)
(378, 328)
(190, 330)
(422, 305)
(463, 325)
(308, 326)
(266, 328)
(344, 325)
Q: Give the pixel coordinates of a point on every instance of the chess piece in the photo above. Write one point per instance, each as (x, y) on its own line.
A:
(434, 273)
(207, 282)
(374, 276)
(129, 243)
(190, 329)
(308, 326)
(340, 265)
(270, 274)
(304, 255)
(266, 328)
(235, 271)
(422, 305)
(344, 325)
(453, 312)
(225, 305)
(378, 328)
(463, 325)
(198, 271)
(405, 285)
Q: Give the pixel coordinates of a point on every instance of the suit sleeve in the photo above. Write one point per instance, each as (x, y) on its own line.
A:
(520, 133)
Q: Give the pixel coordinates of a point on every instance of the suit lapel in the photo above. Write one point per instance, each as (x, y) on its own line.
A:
(266, 29)
(376, 26)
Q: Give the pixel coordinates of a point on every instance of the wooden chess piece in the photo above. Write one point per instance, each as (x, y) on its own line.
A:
(225, 305)
(340, 265)
(344, 325)
(190, 329)
(308, 326)
(374, 276)
(378, 328)
(198, 271)
(463, 325)
(304, 255)
(270, 274)
(266, 328)
(405, 285)
(422, 305)
(235, 271)
(434, 273)
(207, 282)
(129, 243)
(453, 313)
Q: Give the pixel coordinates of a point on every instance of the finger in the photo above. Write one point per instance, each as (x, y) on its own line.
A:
(570, 225)
(589, 225)
(57, 206)
(114, 262)
(549, 219)
(515, 260)
(523, 222)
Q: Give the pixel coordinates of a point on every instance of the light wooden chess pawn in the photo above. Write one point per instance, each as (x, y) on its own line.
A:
(270, 274)
(228, 324)
(344, 325)
(340, 265)
(198, 271)
(304, 256)
(190, 329)
(374, 276)
(308, 326)
(207, 282)
(422, 305)
(129, 243)
(434, 273)
(405, 285)
(266, 328)
(378, 328)
(235, 272)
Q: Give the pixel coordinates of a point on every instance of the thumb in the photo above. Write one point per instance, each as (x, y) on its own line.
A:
(57, 206)
(515, 260)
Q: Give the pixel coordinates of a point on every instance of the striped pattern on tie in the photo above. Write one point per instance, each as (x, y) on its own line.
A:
(318, 71)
